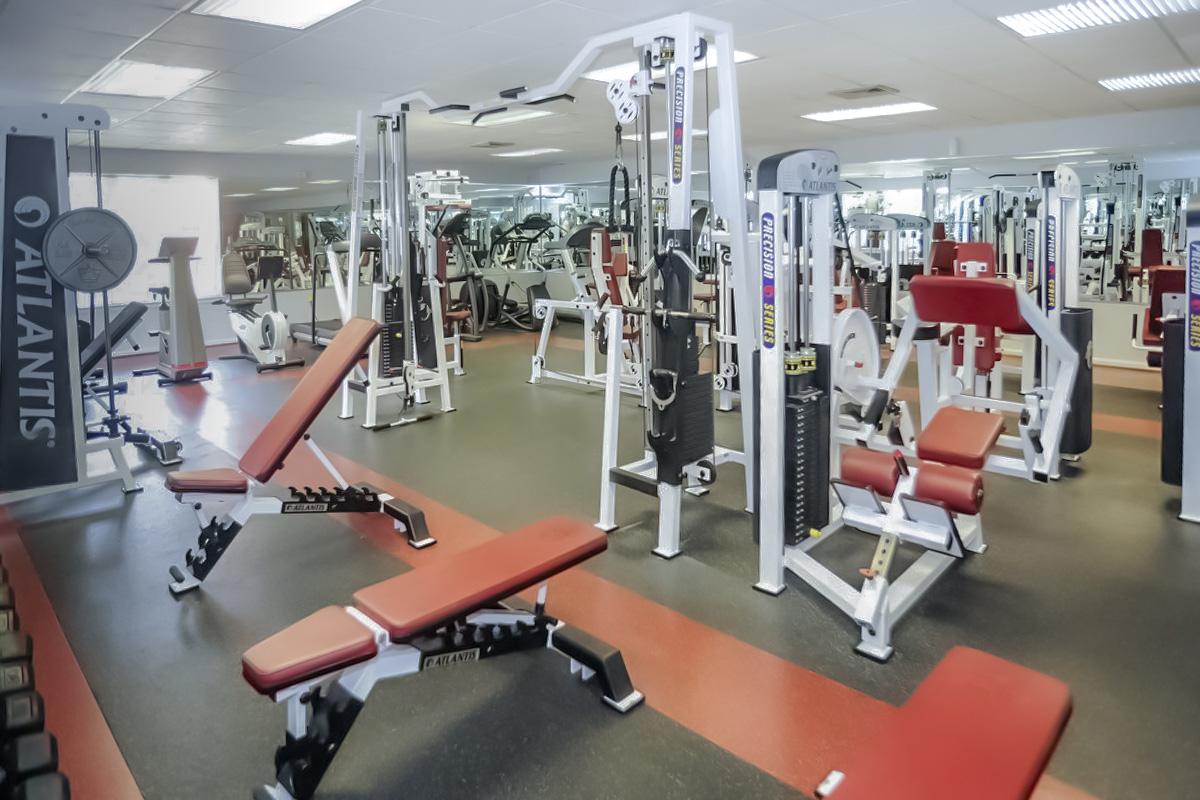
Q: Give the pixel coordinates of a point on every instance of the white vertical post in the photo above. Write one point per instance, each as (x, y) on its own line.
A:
(612, 423)
(1190, 501)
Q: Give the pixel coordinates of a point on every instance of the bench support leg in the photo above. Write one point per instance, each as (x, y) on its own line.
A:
(592, 657)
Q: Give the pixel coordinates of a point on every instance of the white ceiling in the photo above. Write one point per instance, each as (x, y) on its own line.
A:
(273, 84)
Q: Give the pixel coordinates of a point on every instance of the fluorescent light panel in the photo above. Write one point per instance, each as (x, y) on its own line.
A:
(1052, 156)
(241, 194)
(139, 79)
(325, 181)
(1152, 80)
(658, 136)
(322, 139)
(535, 151)
(280, 189)
(297, 14)
(504, 117)
(869, 111)
(626, 70)
(1092, 14)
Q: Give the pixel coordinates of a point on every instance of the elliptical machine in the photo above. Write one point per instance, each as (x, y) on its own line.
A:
(262, 337)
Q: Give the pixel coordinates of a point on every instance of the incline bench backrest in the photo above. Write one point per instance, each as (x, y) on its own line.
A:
(302, 406)
(979, 301)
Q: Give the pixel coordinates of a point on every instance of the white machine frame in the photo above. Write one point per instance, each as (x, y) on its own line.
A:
(1190, 498)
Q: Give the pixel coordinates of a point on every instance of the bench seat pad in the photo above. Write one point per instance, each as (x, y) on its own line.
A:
(958, 436)
(959, 488)
(327, 640)
(423, 599)
(978, 727)
(219, 481)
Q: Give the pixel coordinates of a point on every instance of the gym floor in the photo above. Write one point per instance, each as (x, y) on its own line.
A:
(1089, 579)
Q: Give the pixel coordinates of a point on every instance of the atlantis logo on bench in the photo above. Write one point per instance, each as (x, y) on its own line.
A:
(446, 659)
(304, 508)
(678, 103)
(767, 236)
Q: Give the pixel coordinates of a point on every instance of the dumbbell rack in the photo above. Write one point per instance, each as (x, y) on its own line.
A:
(28, 753)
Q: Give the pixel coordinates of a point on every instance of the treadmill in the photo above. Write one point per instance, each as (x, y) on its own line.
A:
(320, 332)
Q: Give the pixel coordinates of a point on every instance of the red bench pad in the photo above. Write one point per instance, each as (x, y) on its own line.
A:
(422, 599)
(221, 481)
(328, 639)
(310, 395)
(986, 302)
(870, 469)
(978, 727)
(958, 436)
(959, 488)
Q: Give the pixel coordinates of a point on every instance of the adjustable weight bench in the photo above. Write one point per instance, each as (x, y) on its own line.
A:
(233, 491)
(978, 727)
(324, 666)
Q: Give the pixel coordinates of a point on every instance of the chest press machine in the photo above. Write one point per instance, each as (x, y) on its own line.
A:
(225, 499)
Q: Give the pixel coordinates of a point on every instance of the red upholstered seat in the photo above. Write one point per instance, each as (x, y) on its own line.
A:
(978, 727)
(220, 481)
(870, 469)
(958, 436)
(423, 599)
(960, 489)
(329, 639)
(265, 455)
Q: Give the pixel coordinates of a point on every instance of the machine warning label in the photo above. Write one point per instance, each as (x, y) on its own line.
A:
(1193, 297)
(767, 236)
(677, 109)
(1051, 266)
(446, 659)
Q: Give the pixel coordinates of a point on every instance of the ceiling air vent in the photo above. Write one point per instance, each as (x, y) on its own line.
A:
(492, 145)
(879, 90)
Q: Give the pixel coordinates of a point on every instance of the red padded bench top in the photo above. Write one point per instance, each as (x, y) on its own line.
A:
(958, 436)
(420, 600)
(310, 395)
(423, 599)
(960, 489)
(988, 302)
(978, 727)
(219, 481)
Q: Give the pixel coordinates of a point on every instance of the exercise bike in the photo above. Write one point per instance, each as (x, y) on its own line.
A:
(262, 337)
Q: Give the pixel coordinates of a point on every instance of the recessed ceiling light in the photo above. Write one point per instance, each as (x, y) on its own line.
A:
(1152, 80)
(325, 181)
(241, 194)
(504, 117)
(1097, 161)
(536, 151)
(280, 189)
(138, 79)
(869, 111)
(298, 14)
(1091, 14)
(322, 139)
(1051, 156)
(626, 70)
(658, 136)
(961, 169)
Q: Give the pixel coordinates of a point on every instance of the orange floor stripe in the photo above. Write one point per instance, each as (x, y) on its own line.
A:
(87, 752)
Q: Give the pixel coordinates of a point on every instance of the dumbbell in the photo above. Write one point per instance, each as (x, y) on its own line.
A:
(15, 646)
(15, 676)
(47, 786)
(24, 757)
(8, 607)
(21, 713)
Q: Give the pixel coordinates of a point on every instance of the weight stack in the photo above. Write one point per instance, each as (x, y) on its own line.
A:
(806, 464)
(875, 303)
(687, 428)
(1076, 326)
(1172, 402)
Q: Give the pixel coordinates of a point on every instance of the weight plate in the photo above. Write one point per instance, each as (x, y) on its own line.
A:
(89, 249)
(855, 354)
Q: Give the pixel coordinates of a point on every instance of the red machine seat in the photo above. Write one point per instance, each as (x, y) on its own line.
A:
(277, 438)
(960, 489)
(958, 436)
(423, 599)
(978, 727)
(218, 481)
(870, 469)
(329, 639)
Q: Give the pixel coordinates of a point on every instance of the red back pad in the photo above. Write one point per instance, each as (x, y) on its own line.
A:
(423, 599)
(980, 301)
(1163, 280)
(1152, 247)
(942, 255)
(976, 251)
(305, 402)
(327, 640)
(978, 727)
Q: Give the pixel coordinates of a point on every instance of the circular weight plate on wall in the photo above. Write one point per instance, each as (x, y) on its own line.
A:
(89, 249)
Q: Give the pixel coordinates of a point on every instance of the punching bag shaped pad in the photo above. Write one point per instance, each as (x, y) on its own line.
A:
(1077, 433)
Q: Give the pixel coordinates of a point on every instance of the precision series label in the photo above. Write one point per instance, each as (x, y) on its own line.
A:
(1051, 265)
(1030, 259)
(1193, 291)
(677, 103)
(767, 236)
